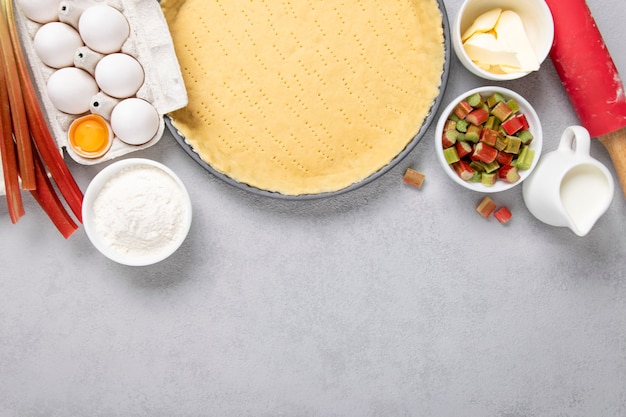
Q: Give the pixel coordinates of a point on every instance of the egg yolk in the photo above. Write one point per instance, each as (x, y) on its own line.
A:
(90, 135)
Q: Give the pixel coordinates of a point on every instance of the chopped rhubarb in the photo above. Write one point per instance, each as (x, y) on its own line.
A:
(461, 126)
(500, 143)
(513, 105)
(522, 117)
(494, 99)
(485, 153)
(513, 144)
(504, 158)
(525, 158)
(502, 111)
(450, 125)
(525, 136)
(463, 149)
(491, 166)
(488, 179)
(489, 136)
(509, 174)
(462, 109)
(473, 133)
(486, 207)
(497, 132)
(492, 123)
(503, 214)
(413, 177)
(451, 156)
(463, 170)
(474, 100)
(477, 117)
(513, 125)
(449, 138)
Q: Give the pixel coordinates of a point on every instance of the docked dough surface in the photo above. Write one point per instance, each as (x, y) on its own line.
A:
(303, 97)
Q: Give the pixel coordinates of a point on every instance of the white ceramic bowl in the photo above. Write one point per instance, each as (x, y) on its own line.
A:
(534, 127)
(107, 245)
(538, 24)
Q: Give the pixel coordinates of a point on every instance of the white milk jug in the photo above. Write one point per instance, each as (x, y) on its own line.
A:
(569, 188)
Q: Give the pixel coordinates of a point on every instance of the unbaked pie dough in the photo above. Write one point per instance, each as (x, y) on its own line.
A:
(302, 96)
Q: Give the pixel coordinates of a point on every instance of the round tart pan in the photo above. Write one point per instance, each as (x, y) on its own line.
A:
(399, 157)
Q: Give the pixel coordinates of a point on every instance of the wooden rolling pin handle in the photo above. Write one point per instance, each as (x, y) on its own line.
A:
(615, 144)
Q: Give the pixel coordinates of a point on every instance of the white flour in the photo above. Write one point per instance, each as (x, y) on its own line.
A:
(140, 211)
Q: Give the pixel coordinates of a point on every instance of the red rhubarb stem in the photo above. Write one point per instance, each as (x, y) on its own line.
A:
(50, 202)
(18, 110)
(7, 152)
(42, 137)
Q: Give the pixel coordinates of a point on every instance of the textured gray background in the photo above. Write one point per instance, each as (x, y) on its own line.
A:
(387, 301)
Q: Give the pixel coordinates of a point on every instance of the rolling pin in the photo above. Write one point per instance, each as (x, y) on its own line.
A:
(590, 78)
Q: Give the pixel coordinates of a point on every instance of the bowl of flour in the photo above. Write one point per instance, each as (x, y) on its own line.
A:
(136, 212)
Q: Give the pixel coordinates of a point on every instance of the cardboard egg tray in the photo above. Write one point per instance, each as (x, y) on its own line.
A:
(149, 42)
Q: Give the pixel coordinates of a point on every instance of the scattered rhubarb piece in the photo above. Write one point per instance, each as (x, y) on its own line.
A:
(503, 214)
(486, 207)
(413, 177)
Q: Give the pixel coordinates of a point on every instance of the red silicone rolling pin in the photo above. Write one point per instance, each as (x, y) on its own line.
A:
(590, 78)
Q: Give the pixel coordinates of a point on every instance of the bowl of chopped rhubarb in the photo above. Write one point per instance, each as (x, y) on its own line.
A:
(488, 139)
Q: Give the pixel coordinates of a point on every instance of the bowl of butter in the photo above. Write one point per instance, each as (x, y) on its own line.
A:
(502, 39)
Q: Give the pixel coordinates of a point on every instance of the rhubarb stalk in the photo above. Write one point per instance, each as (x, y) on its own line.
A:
(44, 141)
(7, 152)
(19, 119)
(50, 202)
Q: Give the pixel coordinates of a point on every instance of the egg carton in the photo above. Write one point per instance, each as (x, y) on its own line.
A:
(149, 42)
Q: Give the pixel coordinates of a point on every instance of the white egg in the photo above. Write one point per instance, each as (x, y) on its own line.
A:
(135, 121)
(55, 43)
(40, 11)
(70, 90)
(119, 75)
(103, 28)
